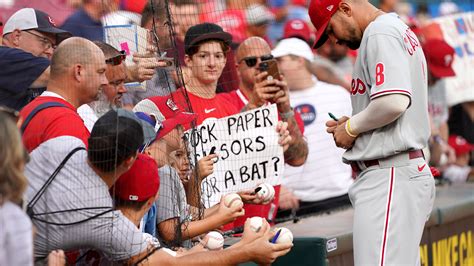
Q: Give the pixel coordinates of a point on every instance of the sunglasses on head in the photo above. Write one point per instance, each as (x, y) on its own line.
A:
(116, 60)
(251, 61)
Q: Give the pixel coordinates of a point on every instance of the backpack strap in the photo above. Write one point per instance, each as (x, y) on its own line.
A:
(38, 109)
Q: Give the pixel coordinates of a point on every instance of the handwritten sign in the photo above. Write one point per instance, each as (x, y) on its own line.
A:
(247, 148)
(128, 38)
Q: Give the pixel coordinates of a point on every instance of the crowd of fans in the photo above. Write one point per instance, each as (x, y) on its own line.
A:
(93, 148)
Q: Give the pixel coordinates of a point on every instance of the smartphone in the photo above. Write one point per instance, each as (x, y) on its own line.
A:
(271, 66)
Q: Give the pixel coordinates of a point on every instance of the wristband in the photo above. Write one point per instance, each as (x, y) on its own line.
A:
(348, 129)
(288, 114)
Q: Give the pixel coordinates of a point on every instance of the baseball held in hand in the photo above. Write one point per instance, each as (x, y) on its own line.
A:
(266, 192)
(285, 236)
(233, 200)
(215, 241)
(256, 223)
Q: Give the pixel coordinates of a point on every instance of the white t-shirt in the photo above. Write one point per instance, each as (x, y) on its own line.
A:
(88, 116)
(16, 236)
(324, 175)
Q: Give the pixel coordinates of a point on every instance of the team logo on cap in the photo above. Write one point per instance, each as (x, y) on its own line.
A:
(50, 19)
(448, 59)
(307, 112)
(171, 105)
(297, 25)
(329, 8)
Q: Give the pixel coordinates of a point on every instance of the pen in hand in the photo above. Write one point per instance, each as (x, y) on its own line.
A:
(333, 117)
(274, 239)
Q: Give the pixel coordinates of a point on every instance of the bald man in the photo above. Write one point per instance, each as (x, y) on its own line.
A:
(255, 91)
(77, 76)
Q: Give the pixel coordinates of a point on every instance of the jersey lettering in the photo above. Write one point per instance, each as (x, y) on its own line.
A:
(411, 42)
(358, 86)
(379, 75)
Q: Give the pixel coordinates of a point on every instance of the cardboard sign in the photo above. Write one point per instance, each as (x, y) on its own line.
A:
(248, 150)
(458, 31)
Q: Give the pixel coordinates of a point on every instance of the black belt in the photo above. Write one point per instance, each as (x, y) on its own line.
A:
(356, 168)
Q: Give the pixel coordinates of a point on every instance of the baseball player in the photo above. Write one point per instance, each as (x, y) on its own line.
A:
(394, 190)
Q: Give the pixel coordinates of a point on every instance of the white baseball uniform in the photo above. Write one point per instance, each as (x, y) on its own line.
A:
(394, 190)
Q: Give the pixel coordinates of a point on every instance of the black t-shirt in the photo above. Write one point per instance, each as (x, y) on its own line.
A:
(18, 70)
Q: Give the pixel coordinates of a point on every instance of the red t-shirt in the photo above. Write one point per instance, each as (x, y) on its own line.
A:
(205, 108)
(267, 211)
(52, 122)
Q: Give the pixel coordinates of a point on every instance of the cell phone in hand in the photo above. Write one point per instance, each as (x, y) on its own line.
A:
(271, 66)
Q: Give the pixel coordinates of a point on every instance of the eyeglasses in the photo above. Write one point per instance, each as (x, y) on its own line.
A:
(47, 44)
(116, 60)
(251, 61)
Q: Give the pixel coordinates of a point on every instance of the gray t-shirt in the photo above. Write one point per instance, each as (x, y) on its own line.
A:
(390, 61)
(437, 103)
(16, 236)
(171, 202)
(76, 194)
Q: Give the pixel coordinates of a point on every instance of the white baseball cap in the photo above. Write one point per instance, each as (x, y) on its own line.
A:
(257, 14)
(33, 19)
(293, 46)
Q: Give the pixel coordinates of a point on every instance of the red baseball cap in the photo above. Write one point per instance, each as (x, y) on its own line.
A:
(439, 56)
(140, 182)
(298, 28)
(165, 112)
(460, 144)
(320, 12)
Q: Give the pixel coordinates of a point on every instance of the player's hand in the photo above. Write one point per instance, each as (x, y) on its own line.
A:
(265, 89)
(287, 199)
(250, 197)
(229, 214)
(285, 138)
(206, 166)
(341, 138)
(144, 67)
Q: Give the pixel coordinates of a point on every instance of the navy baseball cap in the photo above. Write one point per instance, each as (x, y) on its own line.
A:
(205, 31)
(34, 19)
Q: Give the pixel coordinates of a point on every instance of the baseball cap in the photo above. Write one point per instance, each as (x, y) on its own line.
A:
(165, 113)
(439, 56)
(257, 14)
(460, 144)
(140, 182)
(298, 28)
(205, 31)
(293, 46)
(320, 12)
(34, 19)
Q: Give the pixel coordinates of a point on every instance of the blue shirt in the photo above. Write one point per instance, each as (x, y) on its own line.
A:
(19, 69)
(80, 24)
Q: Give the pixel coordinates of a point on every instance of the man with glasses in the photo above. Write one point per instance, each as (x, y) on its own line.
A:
(256, 91)
(111, 95)
(29, 39)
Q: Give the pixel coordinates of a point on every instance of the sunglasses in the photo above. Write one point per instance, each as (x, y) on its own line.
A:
(251, 61)
(116, 60)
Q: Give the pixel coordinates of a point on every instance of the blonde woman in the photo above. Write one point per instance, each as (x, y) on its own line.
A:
(16, 237)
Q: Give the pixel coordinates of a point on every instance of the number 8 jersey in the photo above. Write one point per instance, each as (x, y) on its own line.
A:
(390, 61)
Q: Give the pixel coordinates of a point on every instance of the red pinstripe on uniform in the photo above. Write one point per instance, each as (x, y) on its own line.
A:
(387, 217)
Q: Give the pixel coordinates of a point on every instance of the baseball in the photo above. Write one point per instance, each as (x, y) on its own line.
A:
(285, 236)
(232, 199)
(215, 242)
(256, 223)
(266, 191)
